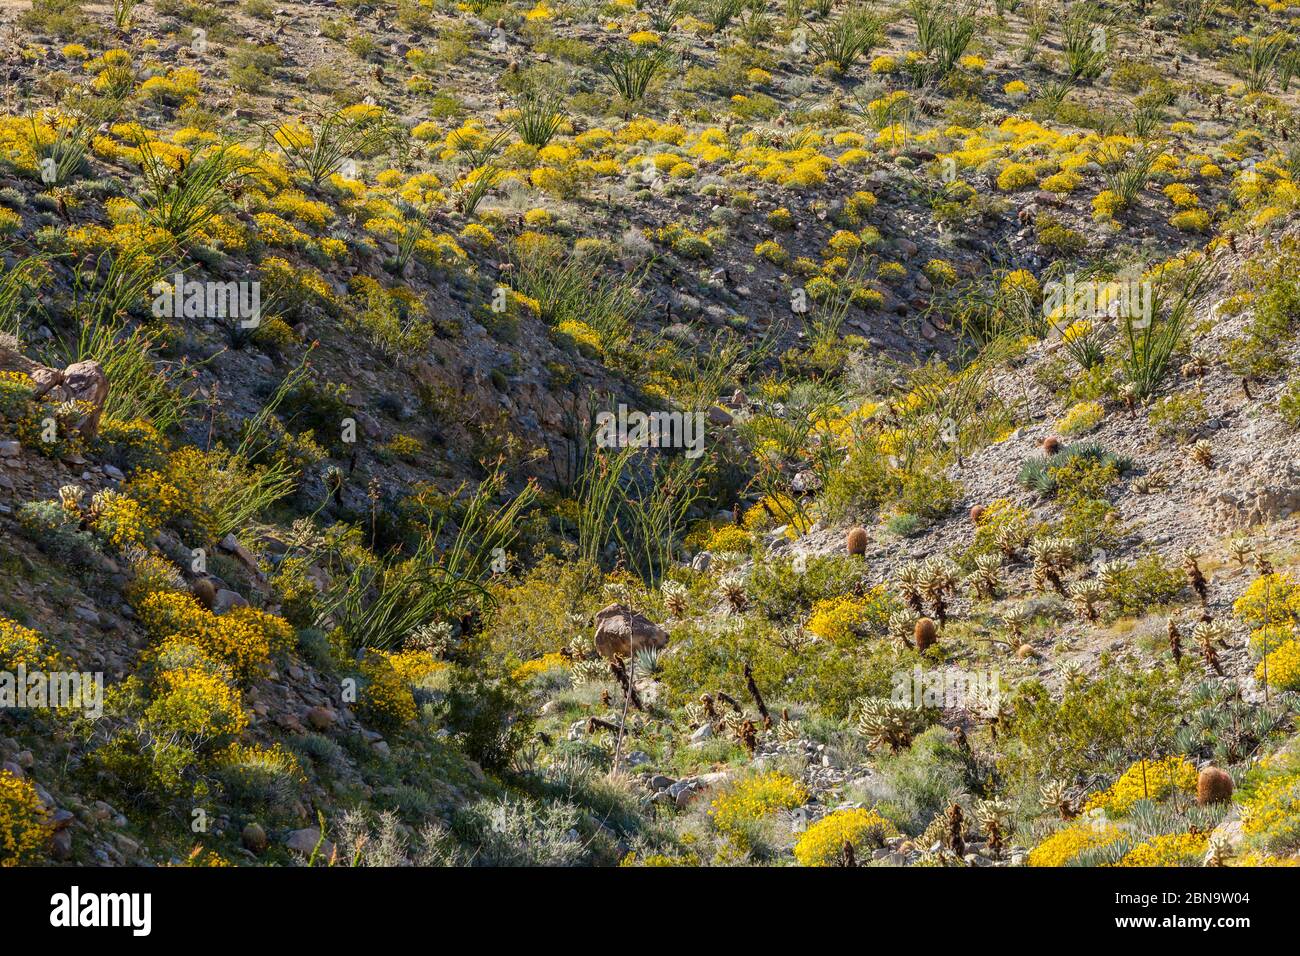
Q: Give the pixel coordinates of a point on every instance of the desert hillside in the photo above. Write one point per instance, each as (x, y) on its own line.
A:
(634, 433)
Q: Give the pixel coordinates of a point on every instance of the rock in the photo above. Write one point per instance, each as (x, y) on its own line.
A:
(80, 382)
(719, 416)
(701, 561)
(306, 840)
(254, 838)
(704, 732)
(321, 718)
(204, 591)
(10, 449)
(61, 845)
(225, 600)
(660, 782)
(612, 633)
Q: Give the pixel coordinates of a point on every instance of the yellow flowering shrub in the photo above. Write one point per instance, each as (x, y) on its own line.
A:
(1080, 418)
(195, 706)
(729, 538)
(1270, 804)
(120, 521)
(1065, 844)
(21, 646)
(823, 842)
(243, 638)
(385, 700)
(1146, 780)
(752, 799)
(539, 665)
(1282, 666)
(1170, 849)
(24, 822)
(846, 617)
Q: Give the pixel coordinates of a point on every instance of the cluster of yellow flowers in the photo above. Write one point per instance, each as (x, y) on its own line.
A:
(751, 800)
(22, 647)
(1067, 843)
(24, 823)
(1170, 849)
(1146, 780)
(823, 842)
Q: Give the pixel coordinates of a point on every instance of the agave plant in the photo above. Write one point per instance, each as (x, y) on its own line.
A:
(842, 42)
(630, 70)
(540, 118)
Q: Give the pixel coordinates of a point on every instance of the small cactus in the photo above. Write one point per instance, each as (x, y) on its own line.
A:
(1086, 594)
(987, 576)
(1213, 786)
(1203, 454)
(976, 513)
(856, 541)
(924, 633)
(1051, 445)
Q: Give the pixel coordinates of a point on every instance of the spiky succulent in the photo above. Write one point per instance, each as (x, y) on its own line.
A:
(1015, 618)
(1086, 594)
(1109, 575)
(901, 625)
(909, 586)
(987, 576)
(1240, 548)
(1010, 538)
(1202, 453)
(1055, 796)
(884, 722)
(1052, 556)
(674, 593)
(732, 589)
(938, 578)
(589, 672)
(71, 497)
(994, 817)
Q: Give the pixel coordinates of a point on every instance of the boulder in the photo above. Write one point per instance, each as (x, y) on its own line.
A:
(612, 633)
(80, 382)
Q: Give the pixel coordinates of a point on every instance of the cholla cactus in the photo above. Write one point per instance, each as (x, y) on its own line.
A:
(1219, 851)
(901, 625)
(1055, 796)
(71, 497)
(1052, 558)
(1196, 366)
(987, 576)
(434, 637)
(1175, 640)
(1010, 538)
(1207, 634)
(787, 729)
(938, 578)
(1085, 595)
(732, 588)
(1015, 618)
(1109, 575)
(674, 593)
(884, 722)
(589, 672)
(697, 715)
(1195, 579)
(1240, 548)
(1202, 453)
(1150, 483)
(994, 817)
(909, 585)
